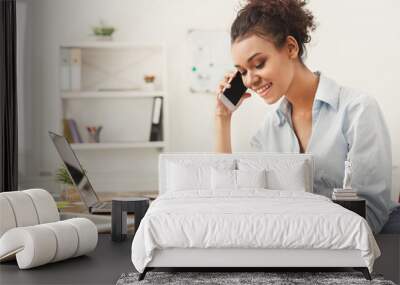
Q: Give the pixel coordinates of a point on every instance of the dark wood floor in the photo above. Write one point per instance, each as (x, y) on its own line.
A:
(102, 266)
(110, 259)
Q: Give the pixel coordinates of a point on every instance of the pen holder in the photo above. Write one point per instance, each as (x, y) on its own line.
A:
(94, 134)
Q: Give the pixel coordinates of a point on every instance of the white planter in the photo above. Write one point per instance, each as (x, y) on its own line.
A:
(149, 86)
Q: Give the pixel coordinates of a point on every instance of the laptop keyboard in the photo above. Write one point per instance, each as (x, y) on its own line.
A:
(103, 205)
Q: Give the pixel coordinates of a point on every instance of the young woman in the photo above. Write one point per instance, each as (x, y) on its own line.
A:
(314, 115)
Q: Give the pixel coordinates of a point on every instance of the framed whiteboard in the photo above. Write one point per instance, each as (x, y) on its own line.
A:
(209, 59)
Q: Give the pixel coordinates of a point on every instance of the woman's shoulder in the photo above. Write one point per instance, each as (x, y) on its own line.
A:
(351, 99)
(357, 106)
(341, 97)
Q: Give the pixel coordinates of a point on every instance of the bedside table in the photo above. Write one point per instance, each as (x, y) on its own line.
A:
(120, 208)
(358, 206)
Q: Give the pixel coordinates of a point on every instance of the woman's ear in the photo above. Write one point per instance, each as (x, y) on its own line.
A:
(292, 47)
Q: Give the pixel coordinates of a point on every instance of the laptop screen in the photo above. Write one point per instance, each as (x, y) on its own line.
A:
(75, 169)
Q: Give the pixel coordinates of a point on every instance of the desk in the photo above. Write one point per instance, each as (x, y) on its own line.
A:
(120, 208)
(79, 207)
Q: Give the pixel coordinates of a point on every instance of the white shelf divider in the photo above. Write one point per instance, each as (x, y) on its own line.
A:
(110, 94)
(119, 145)
(111, 44)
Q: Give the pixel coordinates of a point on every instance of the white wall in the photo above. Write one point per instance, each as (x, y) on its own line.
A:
(356, 43)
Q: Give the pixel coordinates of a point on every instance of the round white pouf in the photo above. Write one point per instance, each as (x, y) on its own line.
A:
(46, 207)
(23, 208)
(34, 245)
(67, 240)
(52, 242)
(6, 215)
(87, 234)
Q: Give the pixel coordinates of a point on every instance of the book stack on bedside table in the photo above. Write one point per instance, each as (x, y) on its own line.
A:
(344, 194)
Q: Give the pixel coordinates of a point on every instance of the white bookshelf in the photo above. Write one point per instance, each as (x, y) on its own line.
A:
(111, 45)
(114, 71)
(124, 145)
(112, 93)
(76, 95)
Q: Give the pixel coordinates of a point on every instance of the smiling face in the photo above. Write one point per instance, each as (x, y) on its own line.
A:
(266, 69)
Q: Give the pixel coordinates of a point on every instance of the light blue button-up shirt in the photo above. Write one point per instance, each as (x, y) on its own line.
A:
(345, 124)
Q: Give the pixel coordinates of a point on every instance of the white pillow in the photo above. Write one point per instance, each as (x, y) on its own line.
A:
(189, 174)
(223, 179)
(293, 180)
(188, 177)
(251, 178)
(281, 174)
(237, 179)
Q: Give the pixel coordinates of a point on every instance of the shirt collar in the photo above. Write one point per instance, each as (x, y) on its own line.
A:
(282, 111)
(327, 92)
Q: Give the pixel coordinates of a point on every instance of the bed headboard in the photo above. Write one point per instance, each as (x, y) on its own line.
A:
(165, 158)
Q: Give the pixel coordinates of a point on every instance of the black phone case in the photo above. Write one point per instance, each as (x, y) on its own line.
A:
(237, 89)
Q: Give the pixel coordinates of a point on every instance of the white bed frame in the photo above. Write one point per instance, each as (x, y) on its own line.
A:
(250, 258)
(234, 257)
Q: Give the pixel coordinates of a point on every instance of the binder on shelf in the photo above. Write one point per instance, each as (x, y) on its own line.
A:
(156, 132)
(65, 71)
(73, 127)
(76, 60)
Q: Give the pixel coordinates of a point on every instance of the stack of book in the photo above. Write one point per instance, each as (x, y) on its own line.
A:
(344, 194)
(71, 132)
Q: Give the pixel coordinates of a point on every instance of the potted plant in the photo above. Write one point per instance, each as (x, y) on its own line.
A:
(149, 82)
(69, 192)
(103, 31)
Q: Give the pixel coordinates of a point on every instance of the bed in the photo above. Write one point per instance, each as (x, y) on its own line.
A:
(247, 210)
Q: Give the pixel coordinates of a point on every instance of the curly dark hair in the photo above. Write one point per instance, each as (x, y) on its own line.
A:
(275, 20)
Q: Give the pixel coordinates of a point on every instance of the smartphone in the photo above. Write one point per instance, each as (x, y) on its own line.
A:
(230, 97)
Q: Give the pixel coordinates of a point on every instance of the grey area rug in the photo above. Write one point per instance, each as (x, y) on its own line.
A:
(225, 278)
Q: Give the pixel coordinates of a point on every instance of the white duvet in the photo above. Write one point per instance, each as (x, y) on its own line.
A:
(252, 218)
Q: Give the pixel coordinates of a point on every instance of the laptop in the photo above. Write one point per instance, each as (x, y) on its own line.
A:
(78, 176)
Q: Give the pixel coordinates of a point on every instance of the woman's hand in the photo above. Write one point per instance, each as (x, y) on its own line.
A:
(221, 109)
